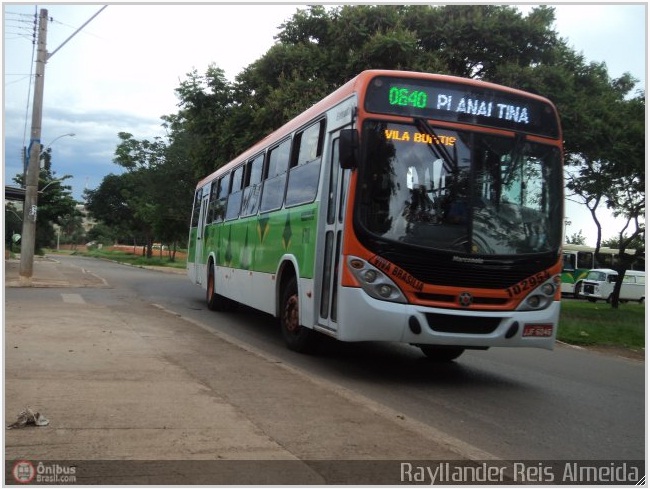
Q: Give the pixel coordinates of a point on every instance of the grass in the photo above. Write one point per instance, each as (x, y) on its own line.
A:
(134, 259)
(598, 324)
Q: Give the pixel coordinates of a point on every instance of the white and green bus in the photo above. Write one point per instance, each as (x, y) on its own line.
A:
(405, 207)
(579, 259)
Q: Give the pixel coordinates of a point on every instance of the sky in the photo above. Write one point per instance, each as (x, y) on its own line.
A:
(119, 73)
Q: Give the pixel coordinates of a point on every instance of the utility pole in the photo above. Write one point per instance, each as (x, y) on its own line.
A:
(28, 240)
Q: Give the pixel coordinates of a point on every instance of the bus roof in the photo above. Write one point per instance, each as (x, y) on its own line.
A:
(356, 85)
(603, 249)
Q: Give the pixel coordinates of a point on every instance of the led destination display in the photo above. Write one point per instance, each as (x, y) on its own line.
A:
(461, 103)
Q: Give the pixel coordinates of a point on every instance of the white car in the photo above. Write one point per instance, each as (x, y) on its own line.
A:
(599, 285)
(633, 288)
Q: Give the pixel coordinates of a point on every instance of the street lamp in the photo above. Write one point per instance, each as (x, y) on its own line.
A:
(27, 152)
(56, 180)
(33, 168)
(45, 148)
(567, 223)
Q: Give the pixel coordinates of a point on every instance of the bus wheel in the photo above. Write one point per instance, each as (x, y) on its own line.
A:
(441, 353)
(297, 337)
(215, 301)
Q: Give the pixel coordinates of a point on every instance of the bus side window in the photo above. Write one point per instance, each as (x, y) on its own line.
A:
(253, 186)
(604, 260)
(235, 195)
(197, 208)
(220, 198)
(276, 177)
(212, 208)
(306, 162)
(585, 259)
(308, 144)
(569, 261)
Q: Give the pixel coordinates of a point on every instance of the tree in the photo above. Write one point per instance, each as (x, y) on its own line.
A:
(615, 175)
(577, 239)
(152, 199)
(320, 48)
(13, 224)
(55, 202)
(109, 203)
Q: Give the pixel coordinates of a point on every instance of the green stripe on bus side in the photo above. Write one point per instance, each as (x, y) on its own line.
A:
(571, 277)
(257, 243)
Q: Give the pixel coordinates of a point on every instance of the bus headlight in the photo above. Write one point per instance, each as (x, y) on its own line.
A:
(370, 276)
(374, 282)
(541, 297)
(548, 289)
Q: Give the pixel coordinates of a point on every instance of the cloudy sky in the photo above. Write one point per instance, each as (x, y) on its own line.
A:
(120, 71)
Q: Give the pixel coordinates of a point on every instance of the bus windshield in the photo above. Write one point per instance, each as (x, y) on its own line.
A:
(460, 191)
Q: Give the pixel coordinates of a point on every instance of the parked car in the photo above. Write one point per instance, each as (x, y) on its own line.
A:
(599, 285)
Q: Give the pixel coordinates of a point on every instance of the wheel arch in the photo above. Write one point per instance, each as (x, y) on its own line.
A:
(287, 268)
(209, 267)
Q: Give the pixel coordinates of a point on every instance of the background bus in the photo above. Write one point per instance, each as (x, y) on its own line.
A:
(407, 207)
(579, 259)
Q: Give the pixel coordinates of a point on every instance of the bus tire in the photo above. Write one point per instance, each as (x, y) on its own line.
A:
(441, 353)
(297, 337)
(215, 301)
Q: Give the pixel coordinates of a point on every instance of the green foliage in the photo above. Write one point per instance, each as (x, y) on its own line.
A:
(587, 323)
(13, 226)
(56, 206)
(577, 239)
(151, 199)
(102, 234)
(131, 259)
(634, 244)
(320, 48)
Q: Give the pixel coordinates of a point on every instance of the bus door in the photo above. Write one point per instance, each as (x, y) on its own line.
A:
(328, 264)
(199, 259)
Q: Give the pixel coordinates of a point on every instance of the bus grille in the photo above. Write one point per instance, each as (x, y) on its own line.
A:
(446, 323)
(444, 271)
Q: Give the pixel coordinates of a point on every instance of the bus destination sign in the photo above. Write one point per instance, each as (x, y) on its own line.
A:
(461, 103)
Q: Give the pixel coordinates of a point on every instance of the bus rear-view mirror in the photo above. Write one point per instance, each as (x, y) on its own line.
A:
(348, 148)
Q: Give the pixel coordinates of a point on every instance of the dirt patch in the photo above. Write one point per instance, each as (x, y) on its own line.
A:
(141, 250)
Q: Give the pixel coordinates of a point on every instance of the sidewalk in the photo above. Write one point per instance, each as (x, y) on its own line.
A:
(137, 395)
(50, 272)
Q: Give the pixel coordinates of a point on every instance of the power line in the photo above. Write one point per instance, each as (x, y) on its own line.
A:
(31, 77)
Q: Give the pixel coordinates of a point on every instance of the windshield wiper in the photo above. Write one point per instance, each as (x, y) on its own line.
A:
(450, 162)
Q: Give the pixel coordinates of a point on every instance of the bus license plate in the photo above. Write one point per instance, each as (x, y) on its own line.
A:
(538, 330)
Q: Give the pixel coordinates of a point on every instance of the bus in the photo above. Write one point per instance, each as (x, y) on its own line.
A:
(403, 207)
(578, 260)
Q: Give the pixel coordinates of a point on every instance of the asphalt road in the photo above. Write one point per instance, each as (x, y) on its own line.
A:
(511, 403)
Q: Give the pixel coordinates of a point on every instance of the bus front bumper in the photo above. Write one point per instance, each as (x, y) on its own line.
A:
(363, 318)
